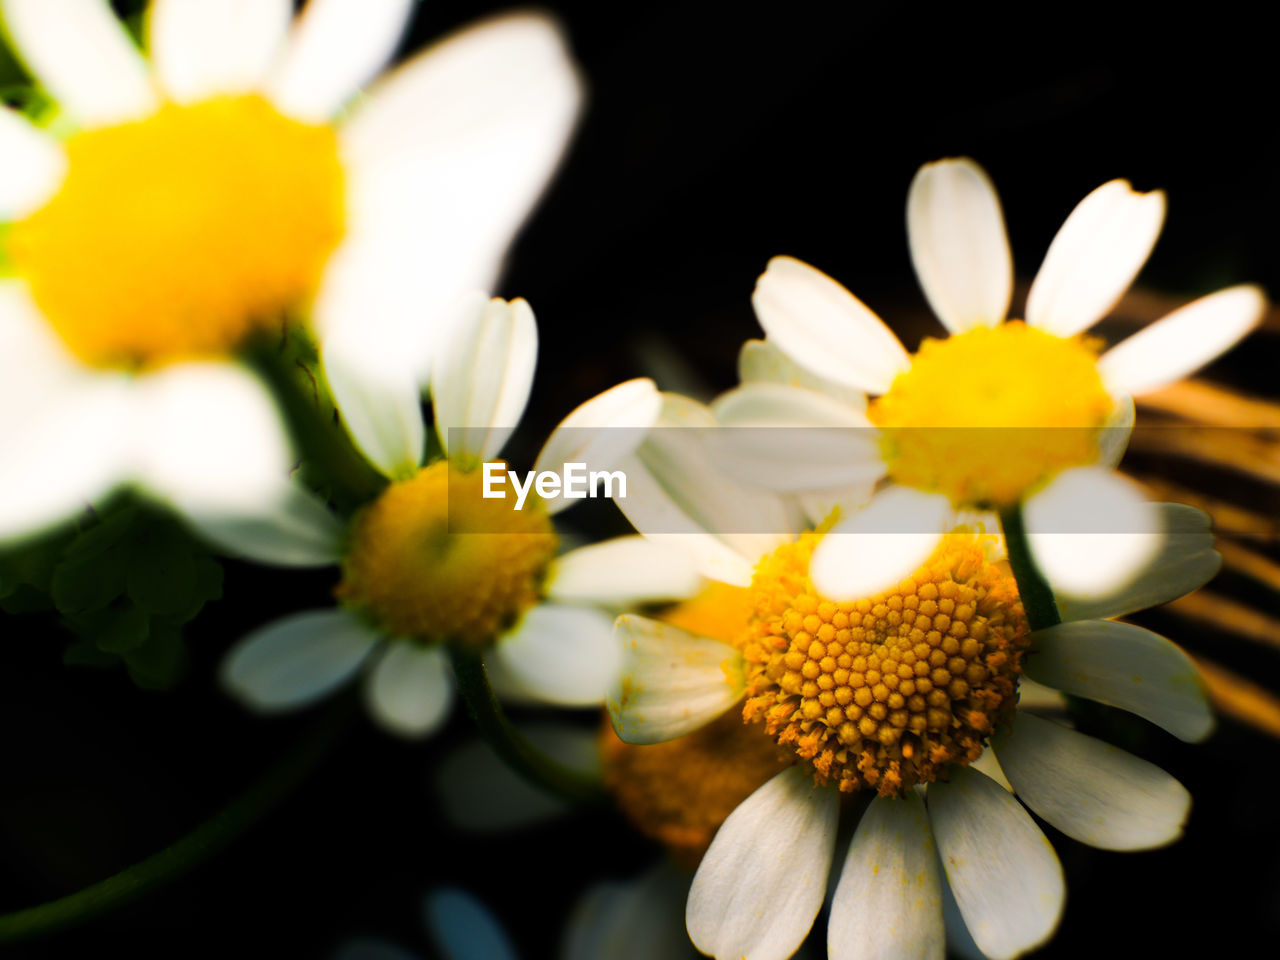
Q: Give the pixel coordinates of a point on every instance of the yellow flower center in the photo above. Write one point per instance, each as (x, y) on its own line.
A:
(986, 415)
(410, 568)
(179, 235)
(890, 691)
(679, 792)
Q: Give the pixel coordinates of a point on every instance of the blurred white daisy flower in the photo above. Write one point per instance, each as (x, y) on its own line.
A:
(992, 414)
(178, 205)
(900, 694)
(414, 579)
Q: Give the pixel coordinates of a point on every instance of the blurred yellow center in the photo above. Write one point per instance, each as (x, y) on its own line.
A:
(680, 791)
(179, 235)
(886, 692)
(984, 416)
(410, 568)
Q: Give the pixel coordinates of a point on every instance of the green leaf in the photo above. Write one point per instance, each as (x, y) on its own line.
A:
(120, 629)
(160, 662)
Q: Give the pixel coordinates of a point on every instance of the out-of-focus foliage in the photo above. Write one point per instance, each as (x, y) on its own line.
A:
(124, 584)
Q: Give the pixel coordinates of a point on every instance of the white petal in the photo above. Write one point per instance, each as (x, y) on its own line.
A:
(297, 660)
(1095, 256)
(478, 791)
(1182, 342)
(66, 444)
(958, 244)
(1091, 531)
(791, 439)
(32, 166)
(1185, 562)
(561, 654)
(762, 881)
(623, 572)
(409, 691)
(760, 361)
(206, 48)
(378, 400)
(825, 328)
(602, 431)
(889, 900)
(482, 379)
(337, 46)
(1006, 878)
(297, 530)
(209, 440)
(1090, 790)
(881, 544)
(1127, 667)
(81, 53)
(670, 682)
(1114, 436)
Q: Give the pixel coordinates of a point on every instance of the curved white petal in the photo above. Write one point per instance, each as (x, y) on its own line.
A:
(65, 445)
(378, 400)
(601, 432)
(1094, 257)
(1123, 666)
(1185, 562)
(295, 530)
(762, 881)
(791, 439)
(760, 361)
(623, 572)
(479, 792)
(336, 47)
(1182, 342)
(81, 53)
(409, 691)
(482, 378)
(561, 654)
(298, 659)
(32, 165)
(1114, 436)
(1006, 878)
(669, 682)
(958, 244)
(208, 439)
(446, 158)
(881, 544)
(1090, 790)
(888, 903)
(825, 328)
(207, 48)
(1092, 531)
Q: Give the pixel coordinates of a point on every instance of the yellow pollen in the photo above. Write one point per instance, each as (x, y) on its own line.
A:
(984, 416)
(178, 236)
(409, 569)
(680, 791)
(886, 692)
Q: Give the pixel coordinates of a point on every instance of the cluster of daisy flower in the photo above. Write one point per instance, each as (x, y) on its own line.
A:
(237, 269)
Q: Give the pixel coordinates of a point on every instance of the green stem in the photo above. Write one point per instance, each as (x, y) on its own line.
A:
(1033, 588)
(506, 741)
(181, 857)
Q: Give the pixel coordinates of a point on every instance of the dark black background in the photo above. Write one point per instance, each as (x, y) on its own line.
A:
(715, 137)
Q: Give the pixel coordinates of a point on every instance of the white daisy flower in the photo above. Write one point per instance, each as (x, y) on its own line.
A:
(990, 415)
(413, 579)
(184, 203)
(900, 694)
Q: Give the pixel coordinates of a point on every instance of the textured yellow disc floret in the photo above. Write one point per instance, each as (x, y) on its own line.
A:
(680, 791)
(178, 235)
(886, 692)
(409, 568)
(985, 415)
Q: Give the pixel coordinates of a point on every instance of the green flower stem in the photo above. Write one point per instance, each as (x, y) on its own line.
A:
(1033, 588)
(174, 861)
(506, 741)
(291, 368)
